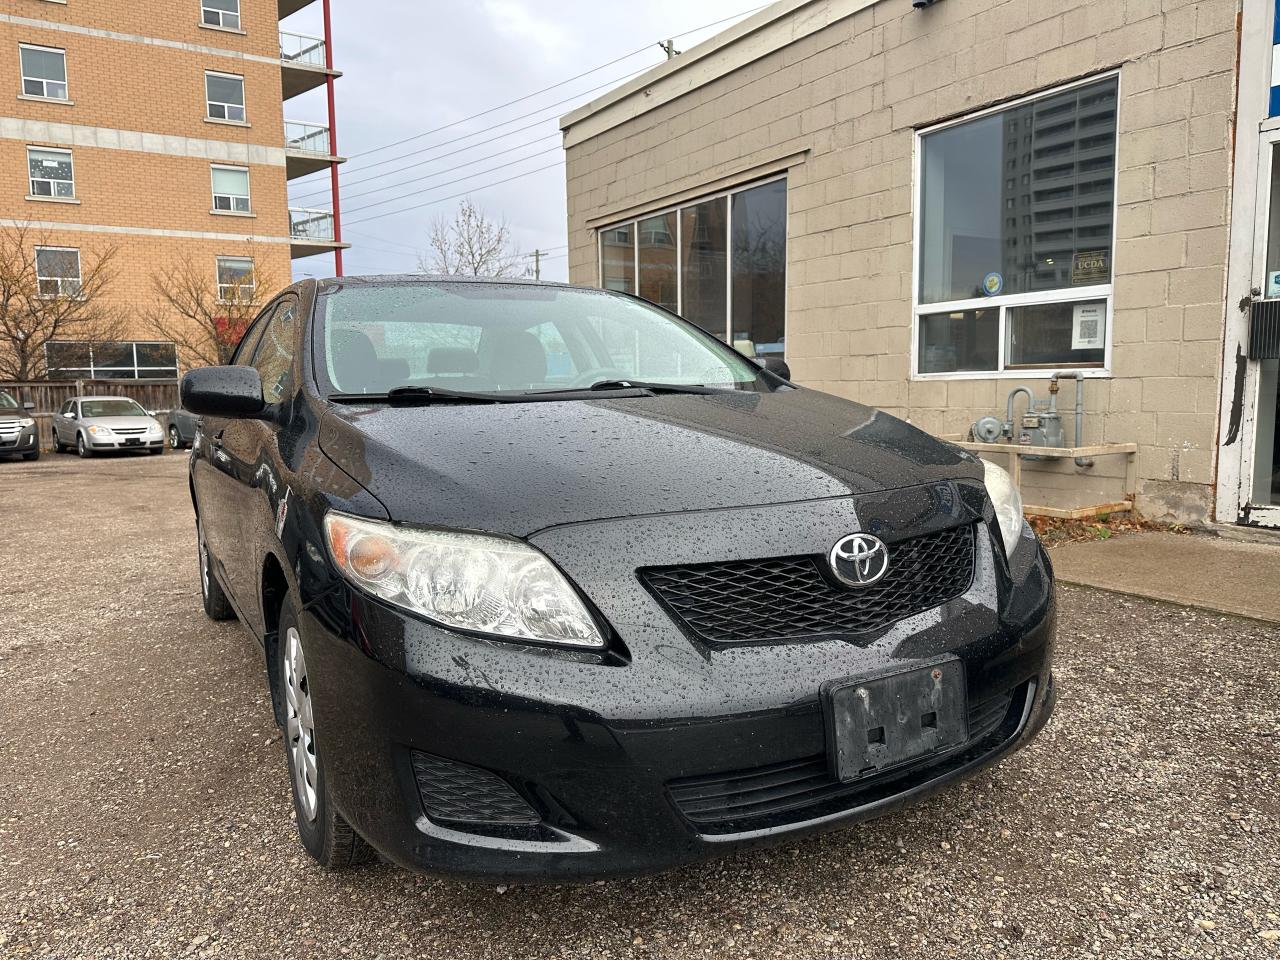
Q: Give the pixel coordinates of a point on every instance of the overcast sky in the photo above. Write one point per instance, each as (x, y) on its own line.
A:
(412, 68)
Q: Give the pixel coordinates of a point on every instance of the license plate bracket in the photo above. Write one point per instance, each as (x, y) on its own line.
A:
(131, 441)
(879, 722)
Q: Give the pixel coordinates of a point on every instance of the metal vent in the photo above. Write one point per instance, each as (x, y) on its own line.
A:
(1264, 330)
(789, 598)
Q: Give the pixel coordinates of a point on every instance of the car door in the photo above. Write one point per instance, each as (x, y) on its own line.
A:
(247, 446)
(61, 420)
(212, 471)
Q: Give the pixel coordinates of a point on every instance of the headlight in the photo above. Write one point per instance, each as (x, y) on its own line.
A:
(100, 431)
(25, 422)
(1008, 503)
(462, 580)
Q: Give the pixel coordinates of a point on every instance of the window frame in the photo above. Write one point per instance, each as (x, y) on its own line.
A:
(139, 372)
(248, 186)
(31, 181)
(206, 9)
(79, 279)
(252, 286)
(633, 223)
(1003, 302)
(209, 104)
(23, 78)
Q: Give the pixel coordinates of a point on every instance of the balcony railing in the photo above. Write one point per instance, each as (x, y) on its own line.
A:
(302, 49)
(310, 224)
(311, 137)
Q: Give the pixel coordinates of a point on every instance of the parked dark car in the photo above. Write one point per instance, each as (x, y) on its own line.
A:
(554, 585)
(17, 429)
(180, 427)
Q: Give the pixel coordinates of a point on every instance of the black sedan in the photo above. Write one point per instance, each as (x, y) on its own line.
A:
(552, 585)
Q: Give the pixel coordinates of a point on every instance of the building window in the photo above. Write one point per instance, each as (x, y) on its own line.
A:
(235, 280)
(125, 360)
(44, 72)
(220, 13)
(58, 271)
(52, 174)
(997, 293)
(231, 189)
(719, 262)
(224, 96)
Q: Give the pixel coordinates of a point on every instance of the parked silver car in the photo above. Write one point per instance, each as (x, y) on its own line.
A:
(94, 424)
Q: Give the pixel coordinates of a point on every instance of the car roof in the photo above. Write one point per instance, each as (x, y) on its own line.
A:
(406, 278)
(104, 397)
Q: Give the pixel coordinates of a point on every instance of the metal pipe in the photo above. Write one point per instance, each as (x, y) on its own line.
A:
(1078, 377)
(1008, 410)
(333, 141)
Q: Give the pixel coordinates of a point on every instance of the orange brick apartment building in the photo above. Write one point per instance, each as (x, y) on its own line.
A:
(158, 129)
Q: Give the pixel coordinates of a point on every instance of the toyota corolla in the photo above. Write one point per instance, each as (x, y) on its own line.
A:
(551, 584)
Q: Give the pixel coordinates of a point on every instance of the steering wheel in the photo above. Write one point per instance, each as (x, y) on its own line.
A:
(594, 376)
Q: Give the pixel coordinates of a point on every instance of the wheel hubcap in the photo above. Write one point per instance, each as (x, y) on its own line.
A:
(299, 728)
(173, 437)
(204, 562)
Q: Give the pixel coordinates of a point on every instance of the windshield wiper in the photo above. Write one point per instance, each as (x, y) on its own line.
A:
(416, 395)
(652, 387)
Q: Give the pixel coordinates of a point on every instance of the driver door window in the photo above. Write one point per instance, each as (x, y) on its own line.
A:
(273, 357)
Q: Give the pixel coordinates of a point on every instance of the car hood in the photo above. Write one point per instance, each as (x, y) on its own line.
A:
(518, 468)
(121, 423)
(7, 414)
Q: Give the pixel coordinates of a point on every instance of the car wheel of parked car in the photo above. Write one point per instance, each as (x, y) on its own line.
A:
(175, 438)
(216, 604)
(323, 831)
(82, 447)
(58, 445)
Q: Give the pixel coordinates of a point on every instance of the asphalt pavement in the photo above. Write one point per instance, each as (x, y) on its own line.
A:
(144, 799)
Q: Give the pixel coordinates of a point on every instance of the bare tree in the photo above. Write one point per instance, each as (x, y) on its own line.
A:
(471, 245)
(206, 314)
(40, 306)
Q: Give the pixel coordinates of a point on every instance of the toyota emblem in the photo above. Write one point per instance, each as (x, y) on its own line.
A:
(859, 559)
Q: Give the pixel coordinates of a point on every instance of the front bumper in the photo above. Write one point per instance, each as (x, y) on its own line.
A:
(125, 443)
(646, 759)
(26, 441)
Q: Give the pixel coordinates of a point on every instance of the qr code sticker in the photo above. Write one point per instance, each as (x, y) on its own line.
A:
(1088, 328)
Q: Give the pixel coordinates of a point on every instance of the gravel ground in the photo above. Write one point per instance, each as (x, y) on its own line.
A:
(144, 801)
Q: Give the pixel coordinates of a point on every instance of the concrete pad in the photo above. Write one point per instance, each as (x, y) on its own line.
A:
(1197, 571)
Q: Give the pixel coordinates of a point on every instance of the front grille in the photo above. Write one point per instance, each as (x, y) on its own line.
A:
(804, 789)
(458, 794)
(785, 598)
(128, 431)
(9, 432)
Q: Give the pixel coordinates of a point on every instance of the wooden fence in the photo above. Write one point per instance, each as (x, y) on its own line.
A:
(50, 395)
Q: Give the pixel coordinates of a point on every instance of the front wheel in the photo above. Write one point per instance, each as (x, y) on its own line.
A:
(82, 447)
(58, 445)
(323, 832)
(175, 438)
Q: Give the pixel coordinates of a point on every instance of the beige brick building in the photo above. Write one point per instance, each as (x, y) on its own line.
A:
(157, 131)
(926, 208)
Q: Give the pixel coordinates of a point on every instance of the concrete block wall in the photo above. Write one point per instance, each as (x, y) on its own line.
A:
(850, 98)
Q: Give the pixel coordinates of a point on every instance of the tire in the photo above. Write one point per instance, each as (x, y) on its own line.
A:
(82, 447)
(323, 832)
(175, 438)
(58, 445)
(216, 604)
(33, 455)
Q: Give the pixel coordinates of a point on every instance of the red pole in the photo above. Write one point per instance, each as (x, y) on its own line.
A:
(333, 141)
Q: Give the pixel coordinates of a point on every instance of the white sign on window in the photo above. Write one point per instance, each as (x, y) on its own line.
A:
(1087, 326)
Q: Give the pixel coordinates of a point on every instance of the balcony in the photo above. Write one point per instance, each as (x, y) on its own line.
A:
(306, 148)
(311, 232)
(302, 63)
(290, 7)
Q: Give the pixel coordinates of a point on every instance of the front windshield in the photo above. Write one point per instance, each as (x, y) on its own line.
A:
(7, 402)
(511, 339)
(121, 407)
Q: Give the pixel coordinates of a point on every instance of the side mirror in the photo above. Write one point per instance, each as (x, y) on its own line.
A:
(223, 392)
(70, 414)
(776, 365)
(28, 406)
